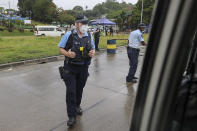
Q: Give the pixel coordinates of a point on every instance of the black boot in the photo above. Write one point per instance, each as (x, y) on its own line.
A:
(135, 78)
(71, 122)
(132, 81)
(79, 110)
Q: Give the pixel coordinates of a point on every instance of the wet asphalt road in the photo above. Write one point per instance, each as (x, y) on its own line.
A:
(32, 98)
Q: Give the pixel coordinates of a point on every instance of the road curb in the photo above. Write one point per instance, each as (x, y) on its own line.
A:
(31, 62)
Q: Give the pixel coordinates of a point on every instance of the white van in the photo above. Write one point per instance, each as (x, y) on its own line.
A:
(48, 31)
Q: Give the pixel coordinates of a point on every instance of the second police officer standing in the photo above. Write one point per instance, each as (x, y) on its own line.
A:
(78, 48)
(97, 37)
(135, 41)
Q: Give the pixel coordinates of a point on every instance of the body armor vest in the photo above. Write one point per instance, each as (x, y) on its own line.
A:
(81, 47)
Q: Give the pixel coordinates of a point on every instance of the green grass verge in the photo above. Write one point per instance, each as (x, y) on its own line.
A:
(15, 33)
(14, 49)
(18, 48)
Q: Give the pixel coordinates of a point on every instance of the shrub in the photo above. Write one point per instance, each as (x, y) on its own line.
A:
(2, 28)
(10, 29)
(19, 22)
(21, 30)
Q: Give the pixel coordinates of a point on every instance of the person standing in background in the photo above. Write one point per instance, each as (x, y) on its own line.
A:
(97, 37)
(111, 31)
(106, 31)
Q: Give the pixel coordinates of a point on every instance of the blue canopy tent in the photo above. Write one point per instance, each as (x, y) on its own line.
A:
(103, 21)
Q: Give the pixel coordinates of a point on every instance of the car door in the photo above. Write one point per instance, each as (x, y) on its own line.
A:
(169, 50)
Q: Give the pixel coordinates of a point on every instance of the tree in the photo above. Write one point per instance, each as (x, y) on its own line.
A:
(25, 7)
(44, 11)
(41, 10)
(71, 12)
(135, 18)
(69, 19)
(1, 10)
(78, 9)
(148, 8)
(65, 18)
(90, 14)
(112, 5)
(120, 19)
(21, 7)
(125, 14)
(114, 10)
(99, 9)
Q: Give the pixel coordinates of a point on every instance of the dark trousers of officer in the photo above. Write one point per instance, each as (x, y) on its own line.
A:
(75, 81)
(112, 33)
(133, 62)
(96, 42)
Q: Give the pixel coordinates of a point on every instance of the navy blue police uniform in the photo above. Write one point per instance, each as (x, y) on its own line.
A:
(76, 69)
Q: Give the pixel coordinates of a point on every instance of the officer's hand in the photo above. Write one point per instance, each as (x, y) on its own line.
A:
(143, 43)
(91, 53)
(71, 54)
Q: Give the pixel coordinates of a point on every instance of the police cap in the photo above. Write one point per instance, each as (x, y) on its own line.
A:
(81, 19)
(141, 25)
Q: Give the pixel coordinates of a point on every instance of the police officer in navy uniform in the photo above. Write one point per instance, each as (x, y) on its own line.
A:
(97, 37)
(78, 48)
(135, 41)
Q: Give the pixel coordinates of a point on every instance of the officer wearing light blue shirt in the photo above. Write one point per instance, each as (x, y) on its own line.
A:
(135, 41)
(78, 48)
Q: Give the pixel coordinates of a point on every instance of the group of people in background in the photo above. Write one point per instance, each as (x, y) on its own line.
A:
(108, 32)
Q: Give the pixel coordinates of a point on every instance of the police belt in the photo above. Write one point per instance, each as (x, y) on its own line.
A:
(131, 48)
(68, 61)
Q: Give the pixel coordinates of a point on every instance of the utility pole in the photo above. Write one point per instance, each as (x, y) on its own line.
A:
(30, 15)
(142, 11)
(9, 12)
(9, 4)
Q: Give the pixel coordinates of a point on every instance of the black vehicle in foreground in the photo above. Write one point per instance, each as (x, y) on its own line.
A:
(167, 94)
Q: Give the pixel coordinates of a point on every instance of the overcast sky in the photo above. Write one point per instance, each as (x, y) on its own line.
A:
(66, 4)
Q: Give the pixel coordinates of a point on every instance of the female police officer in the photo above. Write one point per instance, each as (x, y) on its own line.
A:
(78, 47)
